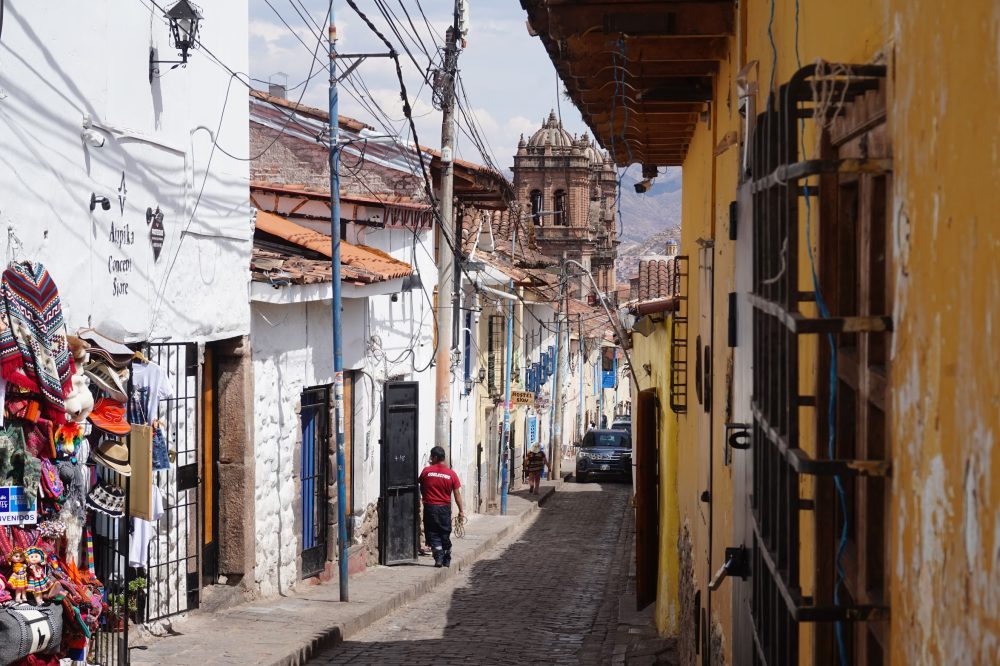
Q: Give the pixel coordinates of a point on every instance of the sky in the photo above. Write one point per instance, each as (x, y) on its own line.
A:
(509, 80)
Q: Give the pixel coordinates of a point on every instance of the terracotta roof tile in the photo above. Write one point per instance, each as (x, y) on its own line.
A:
(358, 262)
(656, 278)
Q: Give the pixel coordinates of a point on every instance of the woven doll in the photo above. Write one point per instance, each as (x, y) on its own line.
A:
(18, 580)
(39, 582)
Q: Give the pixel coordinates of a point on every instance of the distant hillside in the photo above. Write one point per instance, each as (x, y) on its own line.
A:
(644, 215)
(648, 220)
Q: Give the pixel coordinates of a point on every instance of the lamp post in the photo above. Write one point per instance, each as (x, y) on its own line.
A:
(185, 20)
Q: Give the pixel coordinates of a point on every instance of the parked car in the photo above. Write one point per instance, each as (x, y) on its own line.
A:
(604, 453)
(622, 423)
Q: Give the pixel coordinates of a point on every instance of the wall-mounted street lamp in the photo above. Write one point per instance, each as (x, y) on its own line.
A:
(185, 19)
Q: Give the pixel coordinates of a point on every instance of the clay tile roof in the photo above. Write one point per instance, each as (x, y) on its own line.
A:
(359, 263)
(656, 278)
(311, 111)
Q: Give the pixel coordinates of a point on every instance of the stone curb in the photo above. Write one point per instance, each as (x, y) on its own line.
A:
(342, 631)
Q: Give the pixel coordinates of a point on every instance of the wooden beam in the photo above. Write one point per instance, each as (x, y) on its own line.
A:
(599, 47)
(598, 71)
(638, 18)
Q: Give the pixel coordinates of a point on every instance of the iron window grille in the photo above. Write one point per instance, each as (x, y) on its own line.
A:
(778, 188)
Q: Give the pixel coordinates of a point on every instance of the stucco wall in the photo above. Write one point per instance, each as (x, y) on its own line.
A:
(945, 564)
(943, 90)
(157, 138)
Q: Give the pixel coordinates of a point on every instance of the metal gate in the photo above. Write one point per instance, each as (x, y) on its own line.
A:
(173, 570)
(398, 527)
(313, 475)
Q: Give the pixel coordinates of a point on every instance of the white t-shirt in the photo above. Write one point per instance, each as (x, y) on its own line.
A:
(143, 532)
(150, 384)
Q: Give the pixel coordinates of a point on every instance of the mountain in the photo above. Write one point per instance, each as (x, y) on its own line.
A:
(648, 220)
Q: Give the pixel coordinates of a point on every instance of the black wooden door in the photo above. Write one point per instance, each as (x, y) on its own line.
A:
(398, 526)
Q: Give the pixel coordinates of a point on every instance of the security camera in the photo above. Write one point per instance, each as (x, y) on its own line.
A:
(104, 201)
(643, 186)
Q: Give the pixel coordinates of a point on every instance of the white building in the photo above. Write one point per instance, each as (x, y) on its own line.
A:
(110, 177)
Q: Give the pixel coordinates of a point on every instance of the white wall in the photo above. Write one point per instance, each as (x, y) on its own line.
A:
(292, 350)
(61, 60)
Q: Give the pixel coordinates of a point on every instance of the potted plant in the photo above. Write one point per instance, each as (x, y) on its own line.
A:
(125, 604)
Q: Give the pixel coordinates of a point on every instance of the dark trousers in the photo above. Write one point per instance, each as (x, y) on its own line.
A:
(437, 529)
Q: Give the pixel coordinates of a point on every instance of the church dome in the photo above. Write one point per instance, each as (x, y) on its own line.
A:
(551, 134)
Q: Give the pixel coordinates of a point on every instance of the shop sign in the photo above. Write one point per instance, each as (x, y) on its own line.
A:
(154, 219)
(521, 398)
(15, 508)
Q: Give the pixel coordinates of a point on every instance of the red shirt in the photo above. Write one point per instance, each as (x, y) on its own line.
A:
(437, 483)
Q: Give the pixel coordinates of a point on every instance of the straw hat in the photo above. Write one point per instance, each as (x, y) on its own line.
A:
(113, 455)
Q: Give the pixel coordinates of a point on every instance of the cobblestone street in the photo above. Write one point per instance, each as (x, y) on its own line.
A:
(552, 596)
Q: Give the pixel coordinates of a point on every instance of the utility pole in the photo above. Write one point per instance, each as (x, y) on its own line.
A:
(555, 463)
(338, 333)
(583, 362)
(449, 240)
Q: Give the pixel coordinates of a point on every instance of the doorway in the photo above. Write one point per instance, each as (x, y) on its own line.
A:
(398, 528)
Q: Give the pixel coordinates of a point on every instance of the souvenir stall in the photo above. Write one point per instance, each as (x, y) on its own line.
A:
(78, 446)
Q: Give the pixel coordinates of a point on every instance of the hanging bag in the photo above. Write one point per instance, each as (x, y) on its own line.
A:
(28, 630)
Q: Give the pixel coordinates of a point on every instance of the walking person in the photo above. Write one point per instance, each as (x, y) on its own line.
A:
(534, 461)
(437, 483)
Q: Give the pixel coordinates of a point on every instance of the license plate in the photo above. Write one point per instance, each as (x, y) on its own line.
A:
(605, 468)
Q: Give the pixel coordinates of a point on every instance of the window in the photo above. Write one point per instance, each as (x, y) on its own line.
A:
(844, 192)
(607, 439)
(561, 217)
(536, 207)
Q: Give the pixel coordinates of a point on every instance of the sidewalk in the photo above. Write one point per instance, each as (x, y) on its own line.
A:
(290, 630)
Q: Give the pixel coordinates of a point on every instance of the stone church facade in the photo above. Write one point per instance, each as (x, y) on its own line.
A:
(566, 188)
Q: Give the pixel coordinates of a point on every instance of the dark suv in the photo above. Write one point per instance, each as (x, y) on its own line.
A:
(604, 453)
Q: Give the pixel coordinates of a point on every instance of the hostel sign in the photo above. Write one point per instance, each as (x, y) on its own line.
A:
(521, 398)
(15, 508)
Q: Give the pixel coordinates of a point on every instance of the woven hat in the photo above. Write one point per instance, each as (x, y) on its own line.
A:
(109, 415)
(108, 499)
(108, 349)
(113, 455)
(107, 379)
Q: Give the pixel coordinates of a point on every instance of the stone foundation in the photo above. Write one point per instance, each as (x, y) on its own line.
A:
(366, 535)
(689, 605)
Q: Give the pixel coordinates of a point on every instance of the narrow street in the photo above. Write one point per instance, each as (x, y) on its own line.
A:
(552, 596)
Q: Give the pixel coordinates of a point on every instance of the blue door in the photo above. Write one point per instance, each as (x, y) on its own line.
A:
(315, 415)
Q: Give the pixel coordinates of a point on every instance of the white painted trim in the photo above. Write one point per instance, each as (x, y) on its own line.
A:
(311, 293)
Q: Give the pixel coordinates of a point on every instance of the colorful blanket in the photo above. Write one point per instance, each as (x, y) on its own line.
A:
(34, 353)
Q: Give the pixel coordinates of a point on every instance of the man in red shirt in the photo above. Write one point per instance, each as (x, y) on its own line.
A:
(437, 483)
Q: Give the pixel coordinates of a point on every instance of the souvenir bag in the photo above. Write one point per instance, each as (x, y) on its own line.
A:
(28, 630)
(140, 487)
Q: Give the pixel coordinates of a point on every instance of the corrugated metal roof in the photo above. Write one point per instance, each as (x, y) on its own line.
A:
(358, 262)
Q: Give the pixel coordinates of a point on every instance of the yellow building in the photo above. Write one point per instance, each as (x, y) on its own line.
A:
(837, 419)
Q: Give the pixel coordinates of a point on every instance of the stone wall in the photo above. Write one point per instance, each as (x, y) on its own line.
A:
(366, 534)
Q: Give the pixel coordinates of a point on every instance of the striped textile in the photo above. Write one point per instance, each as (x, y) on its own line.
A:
(33, 350)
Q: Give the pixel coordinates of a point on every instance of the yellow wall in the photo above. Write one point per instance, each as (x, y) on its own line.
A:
(946, 356)
(654, 352)
(944, 118)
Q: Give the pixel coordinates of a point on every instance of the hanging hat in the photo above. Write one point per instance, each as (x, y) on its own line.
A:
(113, 351)
(107, 379)
(109, 415)
(113, 455)
(108, 499)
